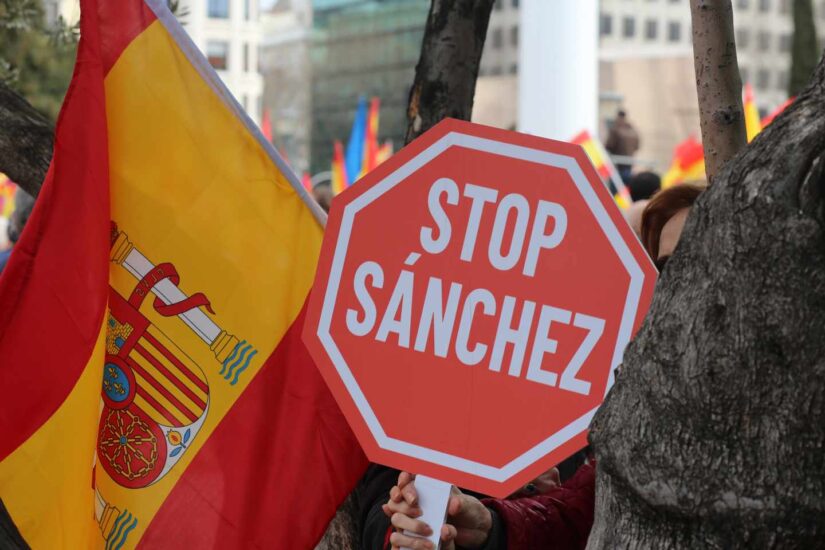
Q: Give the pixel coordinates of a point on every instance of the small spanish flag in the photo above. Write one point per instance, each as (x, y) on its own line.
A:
(688, 163)
(155, 389)
(339, 169)
(604, 166)
(753, 124)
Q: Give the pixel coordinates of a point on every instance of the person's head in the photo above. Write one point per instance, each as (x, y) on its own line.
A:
(664, 218)
(621, 114)
(322, 193)
(644, 185)
(23, 204)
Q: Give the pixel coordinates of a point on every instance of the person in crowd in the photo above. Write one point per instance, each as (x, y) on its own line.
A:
(622, 141)
(560, 516)
(322, 193)
(642, 186)
(23, 204)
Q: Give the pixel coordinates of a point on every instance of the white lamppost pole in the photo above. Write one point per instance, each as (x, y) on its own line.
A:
(558, 67)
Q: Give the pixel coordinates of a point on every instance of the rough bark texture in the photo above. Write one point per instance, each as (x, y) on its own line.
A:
(445, 78)
(713, 435)
(25, 141)
(805, 48)
(718, 83)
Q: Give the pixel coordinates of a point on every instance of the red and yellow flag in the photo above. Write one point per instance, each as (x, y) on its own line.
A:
(753, 124)
(7, 190)
(339, 169)
(604, 166)
(155, 390)
(688, 163)
(371, 147)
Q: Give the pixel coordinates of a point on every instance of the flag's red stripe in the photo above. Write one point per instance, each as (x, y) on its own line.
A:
(158, 407)
(174, 379)
(175, 361)
(161, 390)
(284, 435)
(54, 290)
(120, 23)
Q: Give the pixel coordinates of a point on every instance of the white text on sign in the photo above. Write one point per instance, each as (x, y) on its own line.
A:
(449, 322)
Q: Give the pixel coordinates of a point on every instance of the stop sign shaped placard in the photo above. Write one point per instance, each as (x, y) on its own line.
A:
(474, 295)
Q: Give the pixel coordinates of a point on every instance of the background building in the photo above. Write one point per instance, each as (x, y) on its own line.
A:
(362, 48)
(285, 66)
(646, 65)
(229, 34)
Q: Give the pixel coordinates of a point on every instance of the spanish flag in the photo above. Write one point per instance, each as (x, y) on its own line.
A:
(155, 390)
(688, 163)
(338, 169)
(753, 124)
(604, 166)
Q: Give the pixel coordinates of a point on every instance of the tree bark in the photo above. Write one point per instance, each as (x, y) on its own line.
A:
(445, 77)
(805, 48)
(712, 436)
(25, 142)
(719, 86)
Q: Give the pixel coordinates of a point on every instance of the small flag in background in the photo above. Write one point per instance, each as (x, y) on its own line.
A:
(604, 166)
(155, 389)
(768, 119)
(355, 145)
(688, 163)
(7, 190)
(306, 181)
(339, 169)
(753, 124)
(384, 152)
(371, 138)
(266, 126)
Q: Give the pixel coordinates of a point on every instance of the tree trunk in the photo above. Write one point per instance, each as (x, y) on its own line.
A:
(719, 86)
(712, 436)
(25, 141)
(804, 48)
(445, 78)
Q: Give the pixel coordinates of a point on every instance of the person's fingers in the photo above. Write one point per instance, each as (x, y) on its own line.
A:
(404, 478)
(395, 494)
(402, 521)
(410, 494)
(454, 506)
(448, 532)
(400, 540)
(404, 508)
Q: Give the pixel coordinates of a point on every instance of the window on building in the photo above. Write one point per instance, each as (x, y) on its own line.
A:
(497, 39)
(651, 29)
(514, 36)
(514, 68)
(605, 24)
(246, 57)
(515, 3)
(218, 9)
(247, 9)
(763, 41)
(743, 38)
(217, 52)
(763, 79)
(784, 42)
(764, 5)
(495, 71)
(674, 31)
(743, 4)
(628, 27)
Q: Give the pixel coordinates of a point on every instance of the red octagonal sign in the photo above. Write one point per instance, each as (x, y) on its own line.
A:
(474, 295)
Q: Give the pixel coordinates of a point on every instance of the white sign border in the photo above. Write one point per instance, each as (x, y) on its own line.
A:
(497, 474)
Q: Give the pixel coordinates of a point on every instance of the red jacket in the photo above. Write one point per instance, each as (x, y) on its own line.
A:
(559, 519)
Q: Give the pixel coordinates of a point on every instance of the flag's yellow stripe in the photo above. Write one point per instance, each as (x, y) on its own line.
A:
(168, 385)
(46, 483)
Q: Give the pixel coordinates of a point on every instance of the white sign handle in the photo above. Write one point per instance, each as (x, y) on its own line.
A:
(433, 497)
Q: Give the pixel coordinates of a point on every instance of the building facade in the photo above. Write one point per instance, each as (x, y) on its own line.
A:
(286, 69)
(228, 32)
(646, 65)
(362, 48)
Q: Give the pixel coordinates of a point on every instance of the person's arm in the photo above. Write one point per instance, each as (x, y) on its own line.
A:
(559, 519)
